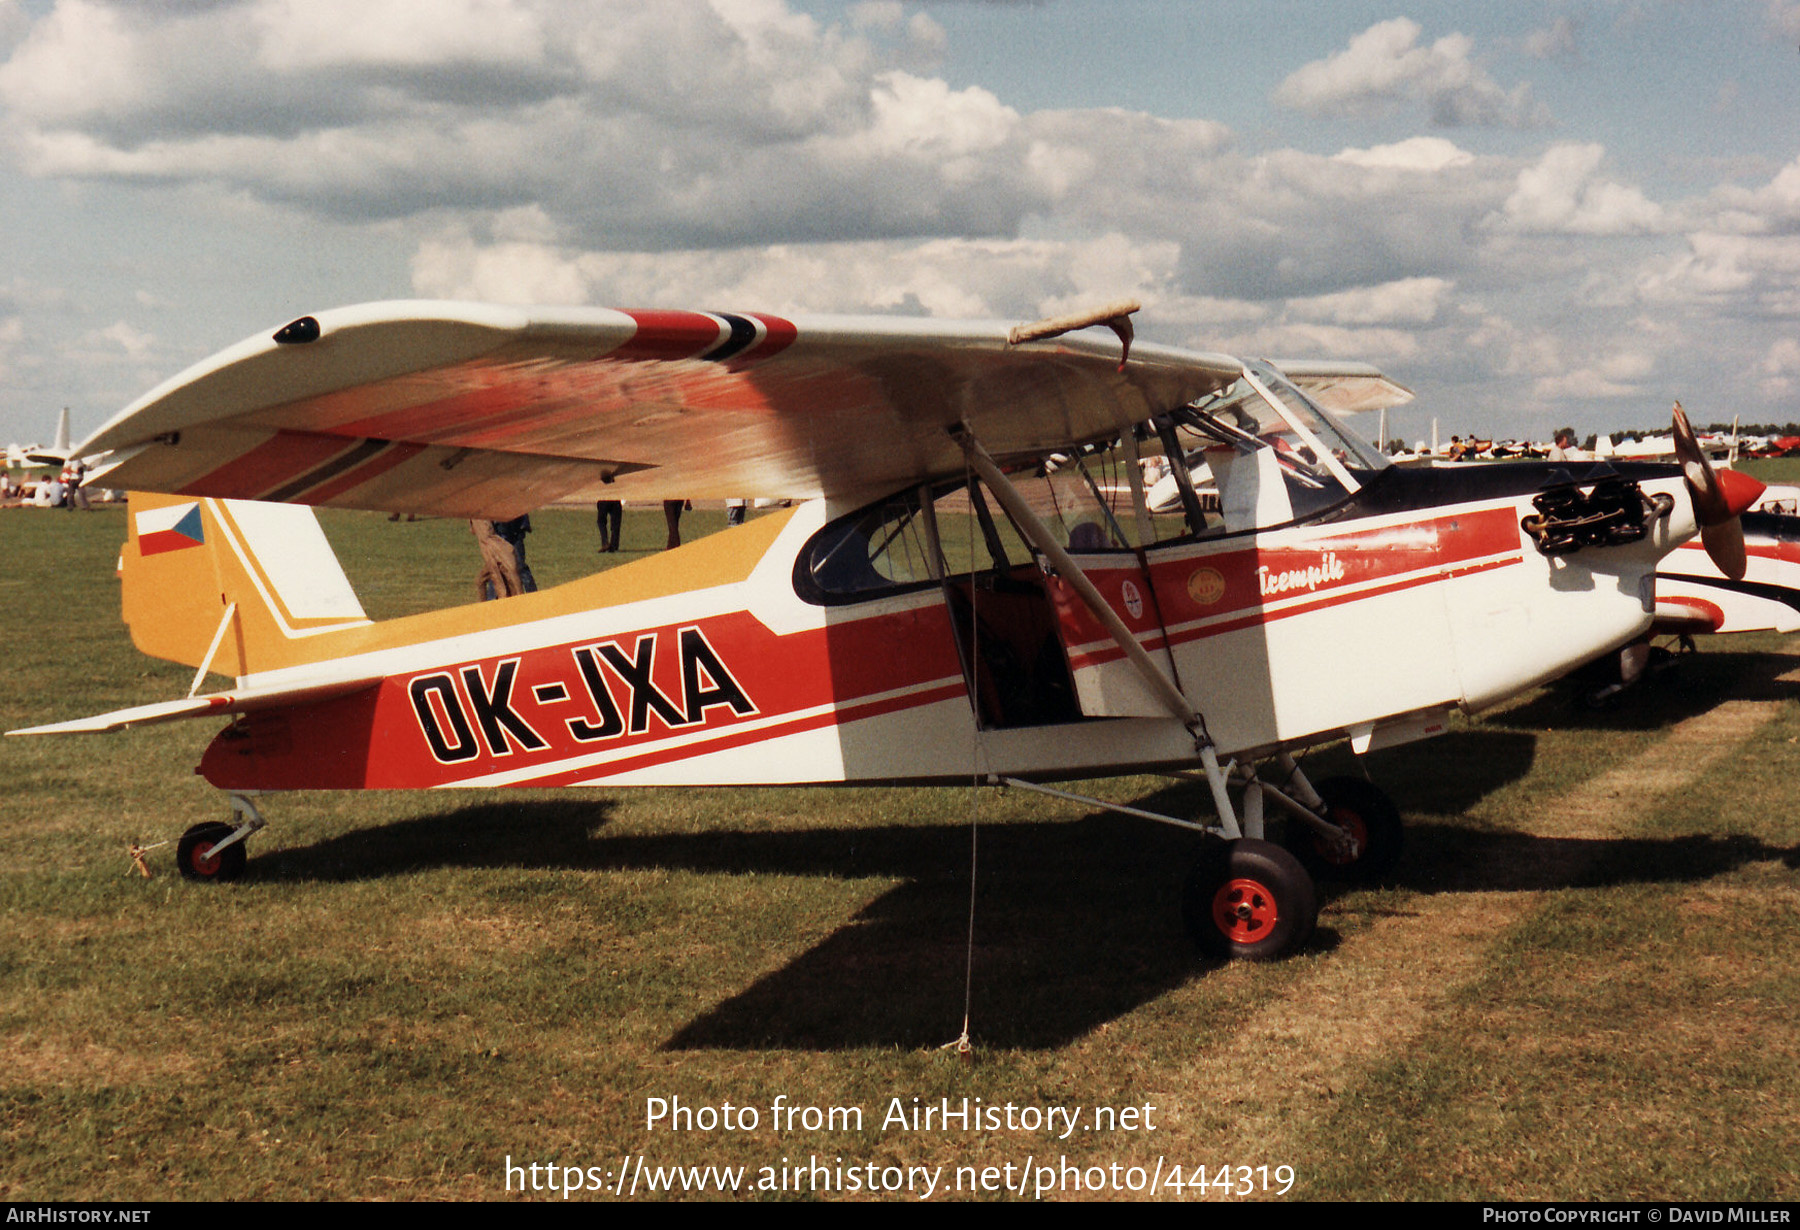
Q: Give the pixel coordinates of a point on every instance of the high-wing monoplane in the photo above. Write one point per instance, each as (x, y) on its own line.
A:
(940, 606)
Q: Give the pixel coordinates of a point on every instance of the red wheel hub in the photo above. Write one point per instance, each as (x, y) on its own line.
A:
(1244, 910)
(206, 865)
(1334, 852)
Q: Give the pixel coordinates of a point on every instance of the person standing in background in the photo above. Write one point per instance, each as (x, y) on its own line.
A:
(514, 532)
(499, 577)
(609, 515)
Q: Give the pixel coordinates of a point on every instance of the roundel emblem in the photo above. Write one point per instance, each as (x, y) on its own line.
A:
(1134, 601)
(1205, 586)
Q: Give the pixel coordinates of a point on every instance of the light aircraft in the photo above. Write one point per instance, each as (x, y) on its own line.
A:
(940, 607)
(57, 454)
(1748, 581)
(1694, 596)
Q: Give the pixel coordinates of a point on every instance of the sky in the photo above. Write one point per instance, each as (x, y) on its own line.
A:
(1532, 214)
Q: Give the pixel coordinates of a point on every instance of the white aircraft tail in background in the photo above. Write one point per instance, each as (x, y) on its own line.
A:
(56, 454)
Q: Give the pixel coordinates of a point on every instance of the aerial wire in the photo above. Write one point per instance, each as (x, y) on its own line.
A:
(963, 1044)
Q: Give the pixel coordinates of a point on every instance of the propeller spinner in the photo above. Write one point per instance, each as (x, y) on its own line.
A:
(1719, 497)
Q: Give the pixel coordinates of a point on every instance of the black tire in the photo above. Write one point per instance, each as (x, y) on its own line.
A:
(1249, 900)
(227, 865)
(1367, 813)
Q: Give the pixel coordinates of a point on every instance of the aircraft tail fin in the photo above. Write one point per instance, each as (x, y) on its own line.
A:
(231, 585)
(62, 432)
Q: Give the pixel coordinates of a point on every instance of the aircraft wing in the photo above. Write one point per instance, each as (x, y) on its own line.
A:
(485, 411)
(1344, 388)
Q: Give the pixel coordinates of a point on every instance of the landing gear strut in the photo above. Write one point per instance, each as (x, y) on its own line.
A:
(1248, 898)
(214, 850)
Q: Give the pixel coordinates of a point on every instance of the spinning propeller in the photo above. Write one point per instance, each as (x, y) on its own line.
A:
(1719, 496)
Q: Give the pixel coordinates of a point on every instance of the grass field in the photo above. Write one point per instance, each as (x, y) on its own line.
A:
(1582, 984)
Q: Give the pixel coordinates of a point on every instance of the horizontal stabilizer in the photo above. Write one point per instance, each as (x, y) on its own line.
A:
(239, 700)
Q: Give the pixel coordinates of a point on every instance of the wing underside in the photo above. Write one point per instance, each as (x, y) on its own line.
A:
(471, 410)
(1346, 388)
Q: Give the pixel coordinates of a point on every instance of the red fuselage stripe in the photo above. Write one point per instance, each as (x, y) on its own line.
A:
(1257, 618)
(841, 716)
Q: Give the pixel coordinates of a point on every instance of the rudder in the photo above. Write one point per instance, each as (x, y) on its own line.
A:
(237, 585)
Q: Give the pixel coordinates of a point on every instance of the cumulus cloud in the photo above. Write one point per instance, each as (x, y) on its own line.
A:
(1783, 357)
(1749, 275)
(1564, 193)
(1279, 338)
(1412, 154)
(1614, 375)
(677, 124)
(1773, 208)
(1407, 301)
(303, 35)
(1019, 278)
(12, 332)
(133, 341)
(659, 128)
(1780, 365)
(1555, 41)
(739, 154)
(1290, 225)
(1385, 66)
(14, 23)
(917, 41)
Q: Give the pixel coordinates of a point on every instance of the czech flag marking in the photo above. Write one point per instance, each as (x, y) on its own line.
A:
(174, 528)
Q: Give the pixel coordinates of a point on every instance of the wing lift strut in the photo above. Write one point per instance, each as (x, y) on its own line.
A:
(1246, 897)
(1303, 804)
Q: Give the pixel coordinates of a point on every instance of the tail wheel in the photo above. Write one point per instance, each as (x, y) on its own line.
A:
(1249, 900)
(1370, 840)
(193, 853)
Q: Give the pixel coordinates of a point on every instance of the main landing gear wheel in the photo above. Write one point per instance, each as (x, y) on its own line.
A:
(1372, 838)
(1248, 900)
(227, 864)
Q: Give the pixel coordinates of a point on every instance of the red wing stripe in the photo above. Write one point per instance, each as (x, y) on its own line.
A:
(282, 457)
(373, 468)
(671, 335)
(364, 451)
(781, 335)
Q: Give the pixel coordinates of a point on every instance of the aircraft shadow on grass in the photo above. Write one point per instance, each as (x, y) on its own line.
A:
(1685, 687)
(1073, 925)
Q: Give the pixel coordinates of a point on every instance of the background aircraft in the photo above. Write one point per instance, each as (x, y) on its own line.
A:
(56, 454)
(1694, 596)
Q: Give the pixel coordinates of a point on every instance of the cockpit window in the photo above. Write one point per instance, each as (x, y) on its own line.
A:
(1274, 454)
(888, 548)
(882, 549)
(1257, 454)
